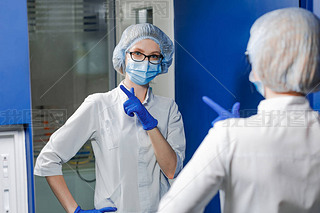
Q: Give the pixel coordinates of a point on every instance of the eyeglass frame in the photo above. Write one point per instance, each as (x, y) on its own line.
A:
(145, 56)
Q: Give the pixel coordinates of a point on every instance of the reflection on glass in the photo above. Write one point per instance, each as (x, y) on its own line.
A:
(144, 16)
(69, 51)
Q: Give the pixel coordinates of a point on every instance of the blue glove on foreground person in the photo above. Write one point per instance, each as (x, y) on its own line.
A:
(133, 105)
(223, 113)
(106, 209)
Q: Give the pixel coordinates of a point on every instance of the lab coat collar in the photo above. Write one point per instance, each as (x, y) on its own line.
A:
(149, 96)
(284, 103)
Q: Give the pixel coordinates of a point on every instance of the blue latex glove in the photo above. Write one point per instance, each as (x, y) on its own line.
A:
(133, 105)
(223, 114)
(106, 209)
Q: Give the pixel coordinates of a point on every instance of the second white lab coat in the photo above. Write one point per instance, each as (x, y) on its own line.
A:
(268, 163)
(127, 173)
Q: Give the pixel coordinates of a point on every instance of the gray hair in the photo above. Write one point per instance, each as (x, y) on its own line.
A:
(284, 50)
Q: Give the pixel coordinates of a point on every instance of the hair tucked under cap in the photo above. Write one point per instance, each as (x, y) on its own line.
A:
(138, 32)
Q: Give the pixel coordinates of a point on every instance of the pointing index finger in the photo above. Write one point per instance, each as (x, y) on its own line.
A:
(216, 107)
(127, 92)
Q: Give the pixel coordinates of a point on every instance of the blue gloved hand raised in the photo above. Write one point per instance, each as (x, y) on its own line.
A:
(223, 114)
(106, 209)
(133, 105)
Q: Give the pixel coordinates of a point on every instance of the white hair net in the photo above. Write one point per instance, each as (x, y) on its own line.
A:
(138, 32)
(284, 50)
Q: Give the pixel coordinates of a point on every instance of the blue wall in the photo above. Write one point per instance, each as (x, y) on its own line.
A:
(315, 97)
(210, 41)
(15, 102)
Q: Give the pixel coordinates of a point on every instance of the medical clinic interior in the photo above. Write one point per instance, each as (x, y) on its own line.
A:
(150, 106)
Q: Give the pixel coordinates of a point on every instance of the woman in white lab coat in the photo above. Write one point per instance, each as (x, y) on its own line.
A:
(269, 162)
(137, 137)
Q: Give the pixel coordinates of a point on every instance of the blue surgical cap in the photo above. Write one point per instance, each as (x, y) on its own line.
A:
(138, 32)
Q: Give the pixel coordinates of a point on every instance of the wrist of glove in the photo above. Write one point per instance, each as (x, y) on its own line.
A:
(134, 106)
(106, 209)
(146, 119)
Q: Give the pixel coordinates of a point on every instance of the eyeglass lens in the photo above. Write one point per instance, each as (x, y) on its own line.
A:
(154, 59)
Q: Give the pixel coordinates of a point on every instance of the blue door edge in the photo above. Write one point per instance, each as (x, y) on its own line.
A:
(29, 162)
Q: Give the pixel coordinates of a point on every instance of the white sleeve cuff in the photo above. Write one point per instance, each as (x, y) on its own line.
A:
(179, 165)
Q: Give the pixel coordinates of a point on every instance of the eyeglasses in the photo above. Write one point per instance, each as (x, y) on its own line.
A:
(139, 57)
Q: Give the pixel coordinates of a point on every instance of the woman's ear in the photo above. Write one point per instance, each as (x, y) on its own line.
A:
(123, 70)
(256, 77)
(125, 60)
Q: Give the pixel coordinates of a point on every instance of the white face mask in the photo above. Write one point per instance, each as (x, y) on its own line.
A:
(258, 84)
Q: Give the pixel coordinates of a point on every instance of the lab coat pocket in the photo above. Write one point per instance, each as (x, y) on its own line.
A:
(110, 130)
(112, 201)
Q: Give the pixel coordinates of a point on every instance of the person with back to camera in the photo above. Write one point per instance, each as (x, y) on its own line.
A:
(137, 137)
(269, 162)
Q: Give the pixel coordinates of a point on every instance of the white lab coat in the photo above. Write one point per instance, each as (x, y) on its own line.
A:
(268, 163)
(127, 173)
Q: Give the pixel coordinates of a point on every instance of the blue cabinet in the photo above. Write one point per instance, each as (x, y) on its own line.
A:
(15, 100)
(210, 41)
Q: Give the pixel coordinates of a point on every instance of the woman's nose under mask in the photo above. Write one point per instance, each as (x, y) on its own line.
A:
(142, 73)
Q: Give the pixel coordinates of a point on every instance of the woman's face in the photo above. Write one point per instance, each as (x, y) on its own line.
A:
(145, 46)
